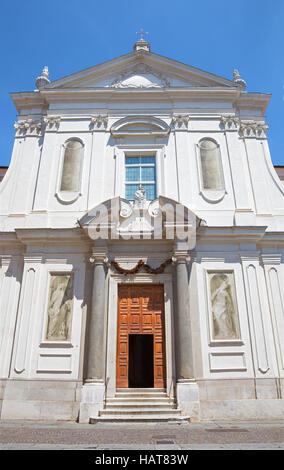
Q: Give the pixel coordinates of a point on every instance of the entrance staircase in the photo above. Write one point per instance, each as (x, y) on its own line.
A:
(140, 405)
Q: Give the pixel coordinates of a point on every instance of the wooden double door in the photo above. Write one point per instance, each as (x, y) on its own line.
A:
(141, 358)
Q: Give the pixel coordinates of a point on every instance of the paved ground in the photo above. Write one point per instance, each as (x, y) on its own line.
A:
(34, 435)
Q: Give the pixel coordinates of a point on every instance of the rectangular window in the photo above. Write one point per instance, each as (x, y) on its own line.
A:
(140, 170)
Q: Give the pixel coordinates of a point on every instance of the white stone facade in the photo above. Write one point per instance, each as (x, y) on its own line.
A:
(141, 104)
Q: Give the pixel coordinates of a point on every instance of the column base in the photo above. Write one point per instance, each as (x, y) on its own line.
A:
(187, 394)
(92, 401)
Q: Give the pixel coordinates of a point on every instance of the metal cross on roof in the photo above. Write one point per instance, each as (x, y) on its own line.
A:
(142, 32)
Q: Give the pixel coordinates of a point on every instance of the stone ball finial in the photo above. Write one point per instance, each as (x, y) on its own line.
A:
(238, 79)
(43, 79)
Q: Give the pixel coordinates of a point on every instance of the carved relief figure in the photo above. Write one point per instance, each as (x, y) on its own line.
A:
(60, 307)
(224, 312)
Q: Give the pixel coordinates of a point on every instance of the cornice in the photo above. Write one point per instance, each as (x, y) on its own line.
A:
(271, 259)
(273, 237)
(235, 234)
(9, 239)
(28, 99)
(41, 99)
(51, 236)
(194, 92)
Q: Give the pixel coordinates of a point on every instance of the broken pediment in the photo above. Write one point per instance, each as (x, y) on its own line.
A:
(162, 218)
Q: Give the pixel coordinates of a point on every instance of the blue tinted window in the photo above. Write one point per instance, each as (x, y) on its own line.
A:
(148, 173)
(132, 173)
(130, 190)
(132, 160)
(140, 170)
(150, 191)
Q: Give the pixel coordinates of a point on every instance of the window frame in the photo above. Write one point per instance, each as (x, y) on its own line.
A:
(121, 150)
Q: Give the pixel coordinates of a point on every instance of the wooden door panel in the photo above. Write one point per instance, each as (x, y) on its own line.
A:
(141, 311)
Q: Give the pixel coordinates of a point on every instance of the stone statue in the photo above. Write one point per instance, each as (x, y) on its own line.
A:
(60, 308)
(223, 307)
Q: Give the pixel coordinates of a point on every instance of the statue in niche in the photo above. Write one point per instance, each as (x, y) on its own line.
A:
(225, 320)
(60, 308)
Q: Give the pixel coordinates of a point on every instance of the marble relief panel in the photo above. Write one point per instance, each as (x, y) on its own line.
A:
(224, 313)
(60, 307)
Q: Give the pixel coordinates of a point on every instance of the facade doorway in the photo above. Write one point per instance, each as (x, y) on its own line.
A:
(141, 361)
(141, 355)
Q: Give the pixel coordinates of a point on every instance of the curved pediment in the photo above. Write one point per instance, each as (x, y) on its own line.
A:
(140, 125)
(162, 218)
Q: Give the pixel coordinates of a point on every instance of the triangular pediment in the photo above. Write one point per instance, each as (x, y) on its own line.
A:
(141, 70)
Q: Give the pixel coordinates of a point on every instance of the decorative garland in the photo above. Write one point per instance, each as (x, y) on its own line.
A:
(141, 264)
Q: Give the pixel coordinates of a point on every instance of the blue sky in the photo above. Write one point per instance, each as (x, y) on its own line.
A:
(216, 36)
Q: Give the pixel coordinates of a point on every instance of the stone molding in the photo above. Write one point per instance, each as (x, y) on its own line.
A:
(151, 126)
(181, 257)
(271, 258)
(98, 258)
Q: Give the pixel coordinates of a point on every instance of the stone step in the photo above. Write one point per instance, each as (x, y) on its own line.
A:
(141, 406)
(139, 411)
(141, 395)
(140, 400)
(141, 390)
(140, 419)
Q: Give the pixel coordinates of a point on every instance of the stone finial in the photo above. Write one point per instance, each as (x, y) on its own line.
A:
(43, 79)
(238, 79)
(142, 45)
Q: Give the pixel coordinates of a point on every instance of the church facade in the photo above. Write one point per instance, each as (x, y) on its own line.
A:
(141, 248)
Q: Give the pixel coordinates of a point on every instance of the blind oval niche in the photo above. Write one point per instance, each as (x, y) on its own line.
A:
(72, 165)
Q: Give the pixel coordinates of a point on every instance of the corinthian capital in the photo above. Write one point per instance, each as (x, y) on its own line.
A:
(253, 128)
(229, 122)
(30, 126)
(99, 122)
(180, 121)
(52, 121)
